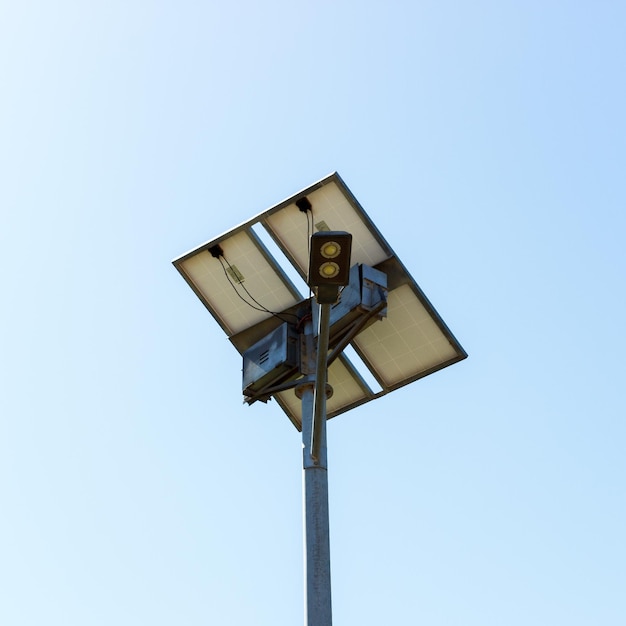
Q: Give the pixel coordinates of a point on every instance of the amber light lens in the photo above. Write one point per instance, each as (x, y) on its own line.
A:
(329, 270)
(330, 250)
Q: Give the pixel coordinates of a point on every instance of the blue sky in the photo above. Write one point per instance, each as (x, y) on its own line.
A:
(487, 142)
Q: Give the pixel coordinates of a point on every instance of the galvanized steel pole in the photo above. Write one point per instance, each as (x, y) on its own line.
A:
(318, 609)
(321, 376)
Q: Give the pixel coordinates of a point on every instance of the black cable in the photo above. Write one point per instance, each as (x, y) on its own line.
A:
(310, 226)
(260, 307)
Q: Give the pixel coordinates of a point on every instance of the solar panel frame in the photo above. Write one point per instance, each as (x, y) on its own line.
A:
(334, 207)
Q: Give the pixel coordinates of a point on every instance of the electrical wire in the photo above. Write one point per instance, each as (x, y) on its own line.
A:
(259, 306)
(310, 226)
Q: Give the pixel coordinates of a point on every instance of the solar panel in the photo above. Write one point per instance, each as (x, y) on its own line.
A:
(244, 288)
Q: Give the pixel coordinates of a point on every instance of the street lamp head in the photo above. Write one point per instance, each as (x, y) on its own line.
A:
(329, 264)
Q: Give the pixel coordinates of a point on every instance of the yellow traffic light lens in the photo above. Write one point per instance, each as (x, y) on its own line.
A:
(330, 250)
(329, 269)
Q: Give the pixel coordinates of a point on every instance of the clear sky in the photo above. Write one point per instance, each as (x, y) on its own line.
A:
(135, 488)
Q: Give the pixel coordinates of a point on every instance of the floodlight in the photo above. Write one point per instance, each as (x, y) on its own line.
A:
(329, 259)
(329, 264)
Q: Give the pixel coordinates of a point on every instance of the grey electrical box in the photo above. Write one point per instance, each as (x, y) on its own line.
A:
(272, 360)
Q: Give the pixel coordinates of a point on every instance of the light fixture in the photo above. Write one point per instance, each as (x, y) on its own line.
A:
(329, 264)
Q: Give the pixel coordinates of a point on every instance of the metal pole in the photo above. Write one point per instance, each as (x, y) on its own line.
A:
(321, 375)
(318, 610)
